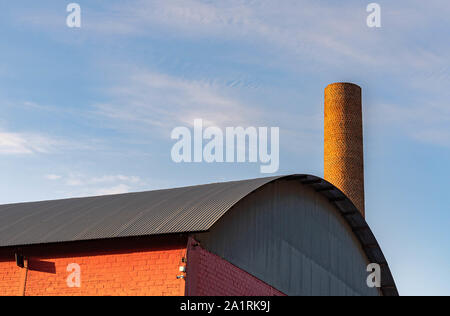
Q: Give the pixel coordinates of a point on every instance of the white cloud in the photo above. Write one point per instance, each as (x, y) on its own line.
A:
(117, 189)
(325, 32)
(427, 122)
(29, 143)
(79, 185)
(163, 102)
(103, 179)
(52, 177)
(434, 136)
(302, 27)
(76, 179)
(25, 143)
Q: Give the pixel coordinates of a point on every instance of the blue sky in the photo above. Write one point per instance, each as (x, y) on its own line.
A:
(89, 111)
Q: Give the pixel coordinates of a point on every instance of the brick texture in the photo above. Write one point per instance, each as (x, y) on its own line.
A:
(210, 275)
(343, 152)
(134, 271)
(10, 278)
(124, 267)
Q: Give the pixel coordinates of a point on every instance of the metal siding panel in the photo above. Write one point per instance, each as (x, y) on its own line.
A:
(287, 214)
(295, 283)
(307, 276)
(315, 280)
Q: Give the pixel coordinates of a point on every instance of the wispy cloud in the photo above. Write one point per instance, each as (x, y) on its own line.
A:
(322, 32)
(316, 30)
(25, 143)
(103, 179)
(434, 136)
(118, 189)
(78, 179)
(77, 184)
(159, 101)
(426, 122)
(333, 36)
(52, 177)
(32, 143)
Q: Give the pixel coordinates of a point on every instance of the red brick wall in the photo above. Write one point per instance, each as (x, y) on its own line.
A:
(145, 266)
(210, 275)
(10, 276)
(127, 267)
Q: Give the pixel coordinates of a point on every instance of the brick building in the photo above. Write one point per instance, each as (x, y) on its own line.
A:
(282, 235)
(291, 235)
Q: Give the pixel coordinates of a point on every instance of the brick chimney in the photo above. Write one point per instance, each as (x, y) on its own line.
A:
(343, 154)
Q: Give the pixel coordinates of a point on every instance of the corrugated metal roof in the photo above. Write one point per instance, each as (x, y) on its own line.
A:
(187, 209)
(179, 210)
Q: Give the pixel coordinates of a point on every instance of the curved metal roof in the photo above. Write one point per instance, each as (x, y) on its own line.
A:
(179, 210)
